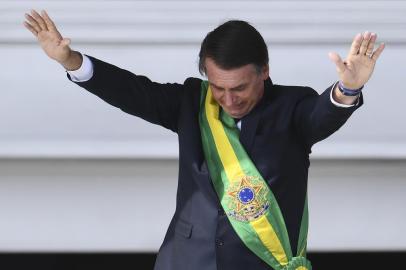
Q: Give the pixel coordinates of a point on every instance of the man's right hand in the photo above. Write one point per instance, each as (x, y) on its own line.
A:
(51, 41)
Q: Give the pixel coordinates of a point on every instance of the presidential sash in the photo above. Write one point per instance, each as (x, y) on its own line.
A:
(246, 198)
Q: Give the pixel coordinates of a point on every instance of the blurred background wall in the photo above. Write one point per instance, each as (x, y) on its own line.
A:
(79, 175)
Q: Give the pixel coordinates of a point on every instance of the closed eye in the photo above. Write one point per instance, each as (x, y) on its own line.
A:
(239, 88)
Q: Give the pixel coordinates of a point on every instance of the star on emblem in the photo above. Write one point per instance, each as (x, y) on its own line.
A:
(245, 195)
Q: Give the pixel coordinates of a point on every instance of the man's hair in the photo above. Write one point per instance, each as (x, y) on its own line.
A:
(234, 44)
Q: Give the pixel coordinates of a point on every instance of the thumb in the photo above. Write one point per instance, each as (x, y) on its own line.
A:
(65, 42)
(334, 57)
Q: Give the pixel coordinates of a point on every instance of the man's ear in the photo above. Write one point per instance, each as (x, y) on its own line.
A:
(265, 72)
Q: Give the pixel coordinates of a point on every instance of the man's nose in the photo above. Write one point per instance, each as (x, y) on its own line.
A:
(228, 99)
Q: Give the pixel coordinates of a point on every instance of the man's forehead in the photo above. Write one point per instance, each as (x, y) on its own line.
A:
(212, 66)
(231, 77)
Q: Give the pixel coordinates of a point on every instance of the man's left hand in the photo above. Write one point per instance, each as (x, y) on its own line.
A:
(357, 68)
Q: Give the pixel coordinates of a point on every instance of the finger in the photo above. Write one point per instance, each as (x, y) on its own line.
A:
(365, 42)
(378, 51)
(39, 19)
(29, 27)
(340, 66)
(371, 44)
(50, 24)
(33, 22)
(356, 43)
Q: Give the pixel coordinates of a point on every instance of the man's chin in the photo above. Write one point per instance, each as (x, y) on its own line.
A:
(237, 115)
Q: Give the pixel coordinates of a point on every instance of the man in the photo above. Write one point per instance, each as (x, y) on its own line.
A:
(244, 142)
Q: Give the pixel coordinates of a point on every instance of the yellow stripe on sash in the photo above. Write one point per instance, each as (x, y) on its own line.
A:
(268, 237)
(234, 172)
(228, 158)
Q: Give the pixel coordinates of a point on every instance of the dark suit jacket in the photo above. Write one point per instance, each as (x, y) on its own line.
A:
(277, 134)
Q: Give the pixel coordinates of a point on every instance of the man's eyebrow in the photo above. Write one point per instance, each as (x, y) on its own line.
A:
(242, 85)
(215, 85)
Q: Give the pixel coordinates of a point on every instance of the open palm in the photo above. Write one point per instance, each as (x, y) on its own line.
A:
(48, 36)
(357, 68)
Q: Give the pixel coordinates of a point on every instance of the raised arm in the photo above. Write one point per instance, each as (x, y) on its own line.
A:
(137, 95)
(51, 41)
(316, 117)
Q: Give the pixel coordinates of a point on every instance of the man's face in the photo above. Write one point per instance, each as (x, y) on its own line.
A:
(238, 90)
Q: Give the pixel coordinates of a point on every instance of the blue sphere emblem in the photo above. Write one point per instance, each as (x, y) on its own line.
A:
(246, 195)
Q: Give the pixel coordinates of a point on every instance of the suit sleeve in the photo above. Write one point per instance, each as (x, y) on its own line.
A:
(316, 117)
(134, 94)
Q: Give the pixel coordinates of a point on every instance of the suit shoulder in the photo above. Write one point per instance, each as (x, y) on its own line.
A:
(193, 83)
(294, 91)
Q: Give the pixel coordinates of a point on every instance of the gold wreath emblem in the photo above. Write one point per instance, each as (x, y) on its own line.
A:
(247, 199)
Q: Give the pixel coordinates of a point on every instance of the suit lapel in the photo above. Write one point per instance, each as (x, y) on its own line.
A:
(249, 126)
